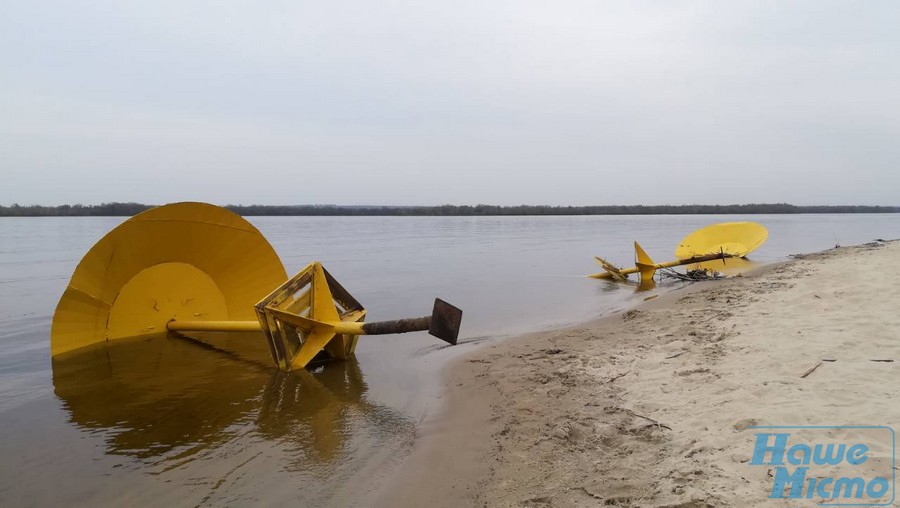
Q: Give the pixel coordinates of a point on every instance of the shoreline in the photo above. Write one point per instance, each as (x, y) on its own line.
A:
(585, 415)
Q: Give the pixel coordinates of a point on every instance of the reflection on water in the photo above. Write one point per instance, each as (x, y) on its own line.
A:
(315, 413)
(166, 398)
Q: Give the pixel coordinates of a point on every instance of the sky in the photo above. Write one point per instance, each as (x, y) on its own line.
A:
(565, 102)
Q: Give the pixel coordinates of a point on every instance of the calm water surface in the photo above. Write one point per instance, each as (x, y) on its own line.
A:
(172, 422)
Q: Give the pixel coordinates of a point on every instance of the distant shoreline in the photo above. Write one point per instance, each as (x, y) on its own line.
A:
(128, 209)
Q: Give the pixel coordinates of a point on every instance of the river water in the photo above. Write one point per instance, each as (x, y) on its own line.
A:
(169, 422)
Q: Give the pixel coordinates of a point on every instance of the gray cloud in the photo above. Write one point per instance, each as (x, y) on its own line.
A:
(465, 102)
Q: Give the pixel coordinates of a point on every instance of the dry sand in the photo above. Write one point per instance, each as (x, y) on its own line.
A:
(651, 407)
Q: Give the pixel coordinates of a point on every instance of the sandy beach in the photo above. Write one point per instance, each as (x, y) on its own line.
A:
(655, 406)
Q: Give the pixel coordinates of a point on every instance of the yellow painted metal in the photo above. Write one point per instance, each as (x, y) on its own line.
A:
(148, 295)
(335, 327)
(734, 238)
(213, 326)
(717, 241)
(644, 264)
(184, 261)
(308, 314)
(201, 268)
(284, 313)
(612, 272)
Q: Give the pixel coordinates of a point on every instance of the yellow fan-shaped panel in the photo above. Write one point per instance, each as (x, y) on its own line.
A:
(735, 238)
(185, 260)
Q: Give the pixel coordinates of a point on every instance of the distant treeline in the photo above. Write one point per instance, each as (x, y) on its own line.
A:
(128, 209)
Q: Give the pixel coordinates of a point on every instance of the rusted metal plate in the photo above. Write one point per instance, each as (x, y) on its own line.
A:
(445, 321)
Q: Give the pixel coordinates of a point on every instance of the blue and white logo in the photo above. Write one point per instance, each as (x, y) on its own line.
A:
(831, 466)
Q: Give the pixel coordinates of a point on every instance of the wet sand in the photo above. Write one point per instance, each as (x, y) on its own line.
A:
(651, 407)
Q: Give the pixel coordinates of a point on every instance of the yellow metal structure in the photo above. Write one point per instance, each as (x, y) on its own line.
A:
(736, 239)
(198, 267)
(646, 266)
(180, 261)
(310, 313)
(718, 241)
(213, 326)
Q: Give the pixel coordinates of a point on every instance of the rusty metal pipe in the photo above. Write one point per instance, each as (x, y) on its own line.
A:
(397, 326)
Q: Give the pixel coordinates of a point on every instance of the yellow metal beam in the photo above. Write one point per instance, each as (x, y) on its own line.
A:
(337, 327)
(647, 267)
(213, 326)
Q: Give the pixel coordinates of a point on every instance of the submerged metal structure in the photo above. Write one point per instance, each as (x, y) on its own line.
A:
(199, 267)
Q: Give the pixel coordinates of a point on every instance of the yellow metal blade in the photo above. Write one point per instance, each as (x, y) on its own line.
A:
(191, 261)
(315, 342)
(303, 323)
(640, 256)
(644, 264)
(323, 307)
(318, 335)
(733, 238)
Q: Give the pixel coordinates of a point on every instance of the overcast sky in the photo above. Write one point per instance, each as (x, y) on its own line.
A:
(420, 103)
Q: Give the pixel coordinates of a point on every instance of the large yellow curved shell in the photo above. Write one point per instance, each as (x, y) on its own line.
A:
(735, 238)
(184, 260)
